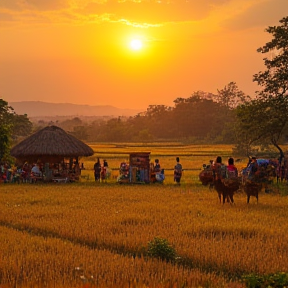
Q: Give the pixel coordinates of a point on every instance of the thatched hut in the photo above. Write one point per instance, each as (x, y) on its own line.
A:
(51, 145)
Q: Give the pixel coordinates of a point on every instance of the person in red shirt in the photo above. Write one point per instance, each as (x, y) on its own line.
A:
(232, 170)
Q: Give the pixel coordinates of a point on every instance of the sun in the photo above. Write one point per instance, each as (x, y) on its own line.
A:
(136, 44)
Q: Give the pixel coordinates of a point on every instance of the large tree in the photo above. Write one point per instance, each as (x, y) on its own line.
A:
(274, 80)
(268, 119)
(6, 125)
(274, 83)
(11, 127)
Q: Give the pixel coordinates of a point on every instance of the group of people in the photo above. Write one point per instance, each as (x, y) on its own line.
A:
(20, 173)
(252, 173)
(158, 173)
(101, 172)
(32, 172)
(223, 171)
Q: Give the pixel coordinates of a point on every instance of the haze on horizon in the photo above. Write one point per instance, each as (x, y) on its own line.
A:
(130, 53)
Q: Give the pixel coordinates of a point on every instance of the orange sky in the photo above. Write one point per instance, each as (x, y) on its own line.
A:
(77, 51)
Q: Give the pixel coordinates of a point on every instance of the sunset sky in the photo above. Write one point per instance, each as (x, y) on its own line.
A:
(78, 51)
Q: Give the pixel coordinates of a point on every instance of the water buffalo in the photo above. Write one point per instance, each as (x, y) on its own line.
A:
(265, 174)
(224, 187)
(252, 188)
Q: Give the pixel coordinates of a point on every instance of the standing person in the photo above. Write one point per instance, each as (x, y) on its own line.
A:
(232, 170)
(104, 170)
(253, 168)
(157, 167)
(177, 171)
(97, 170)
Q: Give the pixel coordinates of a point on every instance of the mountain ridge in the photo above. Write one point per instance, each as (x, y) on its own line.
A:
(43, 109)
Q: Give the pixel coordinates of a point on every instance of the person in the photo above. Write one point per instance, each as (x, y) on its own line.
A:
(36, 170)
(219, 169)
(157, 167)
(253, 168)
(104, 170)
(26, 170)
(97, 170)
(178, 171)
(160, 176)
(232, 171)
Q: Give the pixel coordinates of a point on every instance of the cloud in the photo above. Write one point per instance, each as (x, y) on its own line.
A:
(154, 12)
(230, 15)
(130, 12)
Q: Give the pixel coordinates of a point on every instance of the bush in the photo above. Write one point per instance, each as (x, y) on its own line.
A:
(276, 280)
(161, 249)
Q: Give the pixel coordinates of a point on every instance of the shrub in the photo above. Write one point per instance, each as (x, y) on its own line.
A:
(276, 280)
(161, 249)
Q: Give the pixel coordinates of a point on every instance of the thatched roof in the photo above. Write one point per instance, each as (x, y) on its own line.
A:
(51, 141)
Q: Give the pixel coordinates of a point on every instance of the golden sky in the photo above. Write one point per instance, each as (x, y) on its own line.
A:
(78, 51)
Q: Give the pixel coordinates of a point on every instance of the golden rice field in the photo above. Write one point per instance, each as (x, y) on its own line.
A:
(96, 234)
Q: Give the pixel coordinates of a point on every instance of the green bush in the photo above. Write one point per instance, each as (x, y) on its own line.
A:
(276, 280)
(161, 249)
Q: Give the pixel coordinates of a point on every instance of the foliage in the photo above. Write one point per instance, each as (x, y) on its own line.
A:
(22, 126)
(6, 124)
(275, 280)
(200, 118)
(231, 96)
(274, 79)
(160, 248)
(266, 117)
(11, 127)
(4, 142)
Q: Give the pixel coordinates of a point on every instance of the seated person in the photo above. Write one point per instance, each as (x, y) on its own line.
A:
(160, 177)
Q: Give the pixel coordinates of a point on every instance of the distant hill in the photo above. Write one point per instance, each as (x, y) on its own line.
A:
(39, 109)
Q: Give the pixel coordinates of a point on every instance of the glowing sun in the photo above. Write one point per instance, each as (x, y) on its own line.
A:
(136, 44)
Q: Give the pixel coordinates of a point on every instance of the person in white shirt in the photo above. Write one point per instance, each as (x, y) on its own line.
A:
(36, 170)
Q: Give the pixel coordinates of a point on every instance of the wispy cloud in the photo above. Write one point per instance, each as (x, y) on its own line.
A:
(133, 12)
(228, 14)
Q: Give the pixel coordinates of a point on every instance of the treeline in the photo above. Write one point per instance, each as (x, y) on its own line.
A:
(203, 117)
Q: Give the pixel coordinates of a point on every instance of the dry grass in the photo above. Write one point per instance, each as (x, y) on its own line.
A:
(47, 231)
(80, 234)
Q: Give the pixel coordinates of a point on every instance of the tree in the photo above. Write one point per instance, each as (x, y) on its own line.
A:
(265, 119)
(22, 126)
(250, 126)
(6, 125)
(274, 79)
(231, 97)
(274, 83)
(198, 117)
(11, 126)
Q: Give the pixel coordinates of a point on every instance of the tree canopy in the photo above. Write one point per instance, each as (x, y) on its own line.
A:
(265, 118)
(11, 127)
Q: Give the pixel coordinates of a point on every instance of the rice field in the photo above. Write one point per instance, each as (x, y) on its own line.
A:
(91, 234)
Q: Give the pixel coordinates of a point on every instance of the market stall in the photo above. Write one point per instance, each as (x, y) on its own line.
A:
(137, 170)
